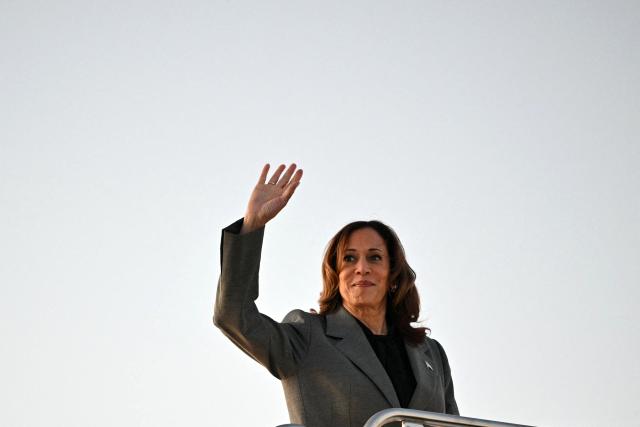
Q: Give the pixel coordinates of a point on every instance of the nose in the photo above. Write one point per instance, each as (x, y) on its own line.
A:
(362, 266)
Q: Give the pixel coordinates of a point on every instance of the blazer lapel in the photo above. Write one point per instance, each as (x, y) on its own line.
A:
(354, 345)
(424, 370)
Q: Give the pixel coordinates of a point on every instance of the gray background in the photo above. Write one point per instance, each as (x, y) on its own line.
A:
(499, 139)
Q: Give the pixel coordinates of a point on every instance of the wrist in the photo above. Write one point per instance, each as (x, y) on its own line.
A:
(249, 225)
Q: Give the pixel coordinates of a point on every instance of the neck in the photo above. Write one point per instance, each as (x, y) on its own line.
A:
(373, 318)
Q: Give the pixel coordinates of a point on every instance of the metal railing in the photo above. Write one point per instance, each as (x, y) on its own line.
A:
(415, 418)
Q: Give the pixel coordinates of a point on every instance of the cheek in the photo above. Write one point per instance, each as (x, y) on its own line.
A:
(384, 271)
(342, 279)
(344, 274)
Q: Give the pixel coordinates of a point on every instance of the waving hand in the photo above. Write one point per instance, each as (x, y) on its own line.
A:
(269, 197)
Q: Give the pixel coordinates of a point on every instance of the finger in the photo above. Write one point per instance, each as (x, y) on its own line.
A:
(287, 175)
(288, 191)
(263, 174)
(276, 175)
(296, 178)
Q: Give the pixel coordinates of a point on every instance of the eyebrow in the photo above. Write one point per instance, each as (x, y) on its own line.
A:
(370, 249)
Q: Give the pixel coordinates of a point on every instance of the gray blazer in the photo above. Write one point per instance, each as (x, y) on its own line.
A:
(330, 374)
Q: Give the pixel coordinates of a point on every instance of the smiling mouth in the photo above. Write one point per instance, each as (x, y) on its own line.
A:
(363, 284)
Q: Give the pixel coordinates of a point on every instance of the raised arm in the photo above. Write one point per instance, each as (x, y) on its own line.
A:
(277, 346)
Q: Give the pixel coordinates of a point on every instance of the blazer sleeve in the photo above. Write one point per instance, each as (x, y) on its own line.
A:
(279, 347)
(451, 407)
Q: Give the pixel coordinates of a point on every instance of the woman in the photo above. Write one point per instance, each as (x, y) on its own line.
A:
(359, 355)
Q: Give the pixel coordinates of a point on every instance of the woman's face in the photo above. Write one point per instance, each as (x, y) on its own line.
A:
(364, 271)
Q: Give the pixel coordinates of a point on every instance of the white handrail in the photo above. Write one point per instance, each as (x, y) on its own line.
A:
(430, 419)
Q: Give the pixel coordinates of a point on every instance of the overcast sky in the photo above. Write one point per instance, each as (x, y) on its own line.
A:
(500, 139)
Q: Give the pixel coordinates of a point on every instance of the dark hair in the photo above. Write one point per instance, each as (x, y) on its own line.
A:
(403, 305)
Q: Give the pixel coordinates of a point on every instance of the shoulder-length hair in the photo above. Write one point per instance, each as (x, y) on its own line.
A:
(403, 303)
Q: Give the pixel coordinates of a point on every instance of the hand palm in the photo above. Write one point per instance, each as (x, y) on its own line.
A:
(266, 201)
(269, 198)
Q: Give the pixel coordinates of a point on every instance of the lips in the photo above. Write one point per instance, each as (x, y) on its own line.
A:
(363, 283)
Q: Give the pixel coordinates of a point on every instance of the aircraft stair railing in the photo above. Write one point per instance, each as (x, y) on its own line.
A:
(414, 418)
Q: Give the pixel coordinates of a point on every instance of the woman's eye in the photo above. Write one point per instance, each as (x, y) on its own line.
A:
(375, 257)
(349, 258)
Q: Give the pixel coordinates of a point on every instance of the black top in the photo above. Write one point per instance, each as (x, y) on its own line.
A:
(392, 354)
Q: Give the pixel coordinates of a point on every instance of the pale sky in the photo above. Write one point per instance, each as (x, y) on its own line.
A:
(500, 139)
